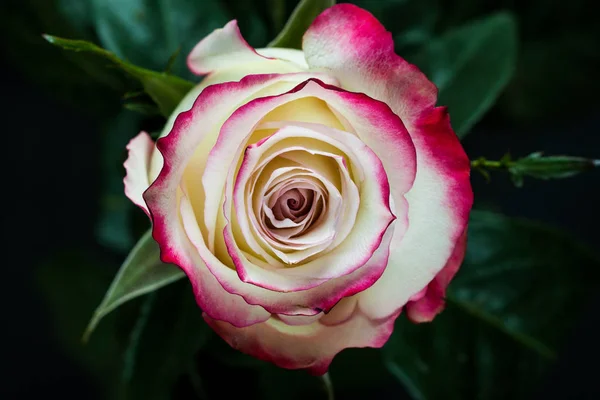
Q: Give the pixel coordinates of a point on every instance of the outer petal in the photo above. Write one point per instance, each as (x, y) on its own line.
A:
(225, 48)
(439, 206)
(353, 46)
(137, 165)
(432, 303)
(310, 347)
(210, 295)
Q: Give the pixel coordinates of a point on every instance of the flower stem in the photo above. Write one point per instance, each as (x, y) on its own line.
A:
(328, 386)
(482, 162)
(482, 165)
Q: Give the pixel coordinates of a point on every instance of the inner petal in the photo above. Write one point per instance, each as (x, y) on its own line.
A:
(295, 240)
(274, 216)
(295, 204)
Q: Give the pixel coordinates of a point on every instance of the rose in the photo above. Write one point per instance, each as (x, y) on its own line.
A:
(309, 196)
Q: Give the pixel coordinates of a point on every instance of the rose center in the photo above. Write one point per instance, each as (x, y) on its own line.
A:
(295, 205)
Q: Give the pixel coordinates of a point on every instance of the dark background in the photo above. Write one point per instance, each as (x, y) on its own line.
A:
(51, 186)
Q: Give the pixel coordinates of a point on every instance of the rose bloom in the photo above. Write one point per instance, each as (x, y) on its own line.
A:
(309, 196)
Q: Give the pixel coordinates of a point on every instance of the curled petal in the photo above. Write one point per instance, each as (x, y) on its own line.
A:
(137, 165)
(225, 48)
(311, 347)
(431, 302)
(219, 49)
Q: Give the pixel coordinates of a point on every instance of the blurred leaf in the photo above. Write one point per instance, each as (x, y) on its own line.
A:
(545, 84)
(130, 356)
(516, 296)
(148, 32)
(141, 273)
(80, 14)
(167, 335)
(149, 110)
(537, 166)
(471, 65)
(277, 13)
(551, 167)
(72, 284)
(302, 17)
(166, 90)
(459, 12)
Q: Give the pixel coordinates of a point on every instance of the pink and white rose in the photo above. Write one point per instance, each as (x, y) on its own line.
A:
(309, 196)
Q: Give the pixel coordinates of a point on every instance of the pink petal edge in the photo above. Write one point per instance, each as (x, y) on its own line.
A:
(352, 45)
(311, 347)
(431, 302)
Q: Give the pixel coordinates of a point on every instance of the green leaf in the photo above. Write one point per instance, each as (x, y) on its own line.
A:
(141, 273)
(148, 32)
(515, 297)
(165, 89)
(471, 65)
(551, 167)
(537, 166)
(302, 16)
